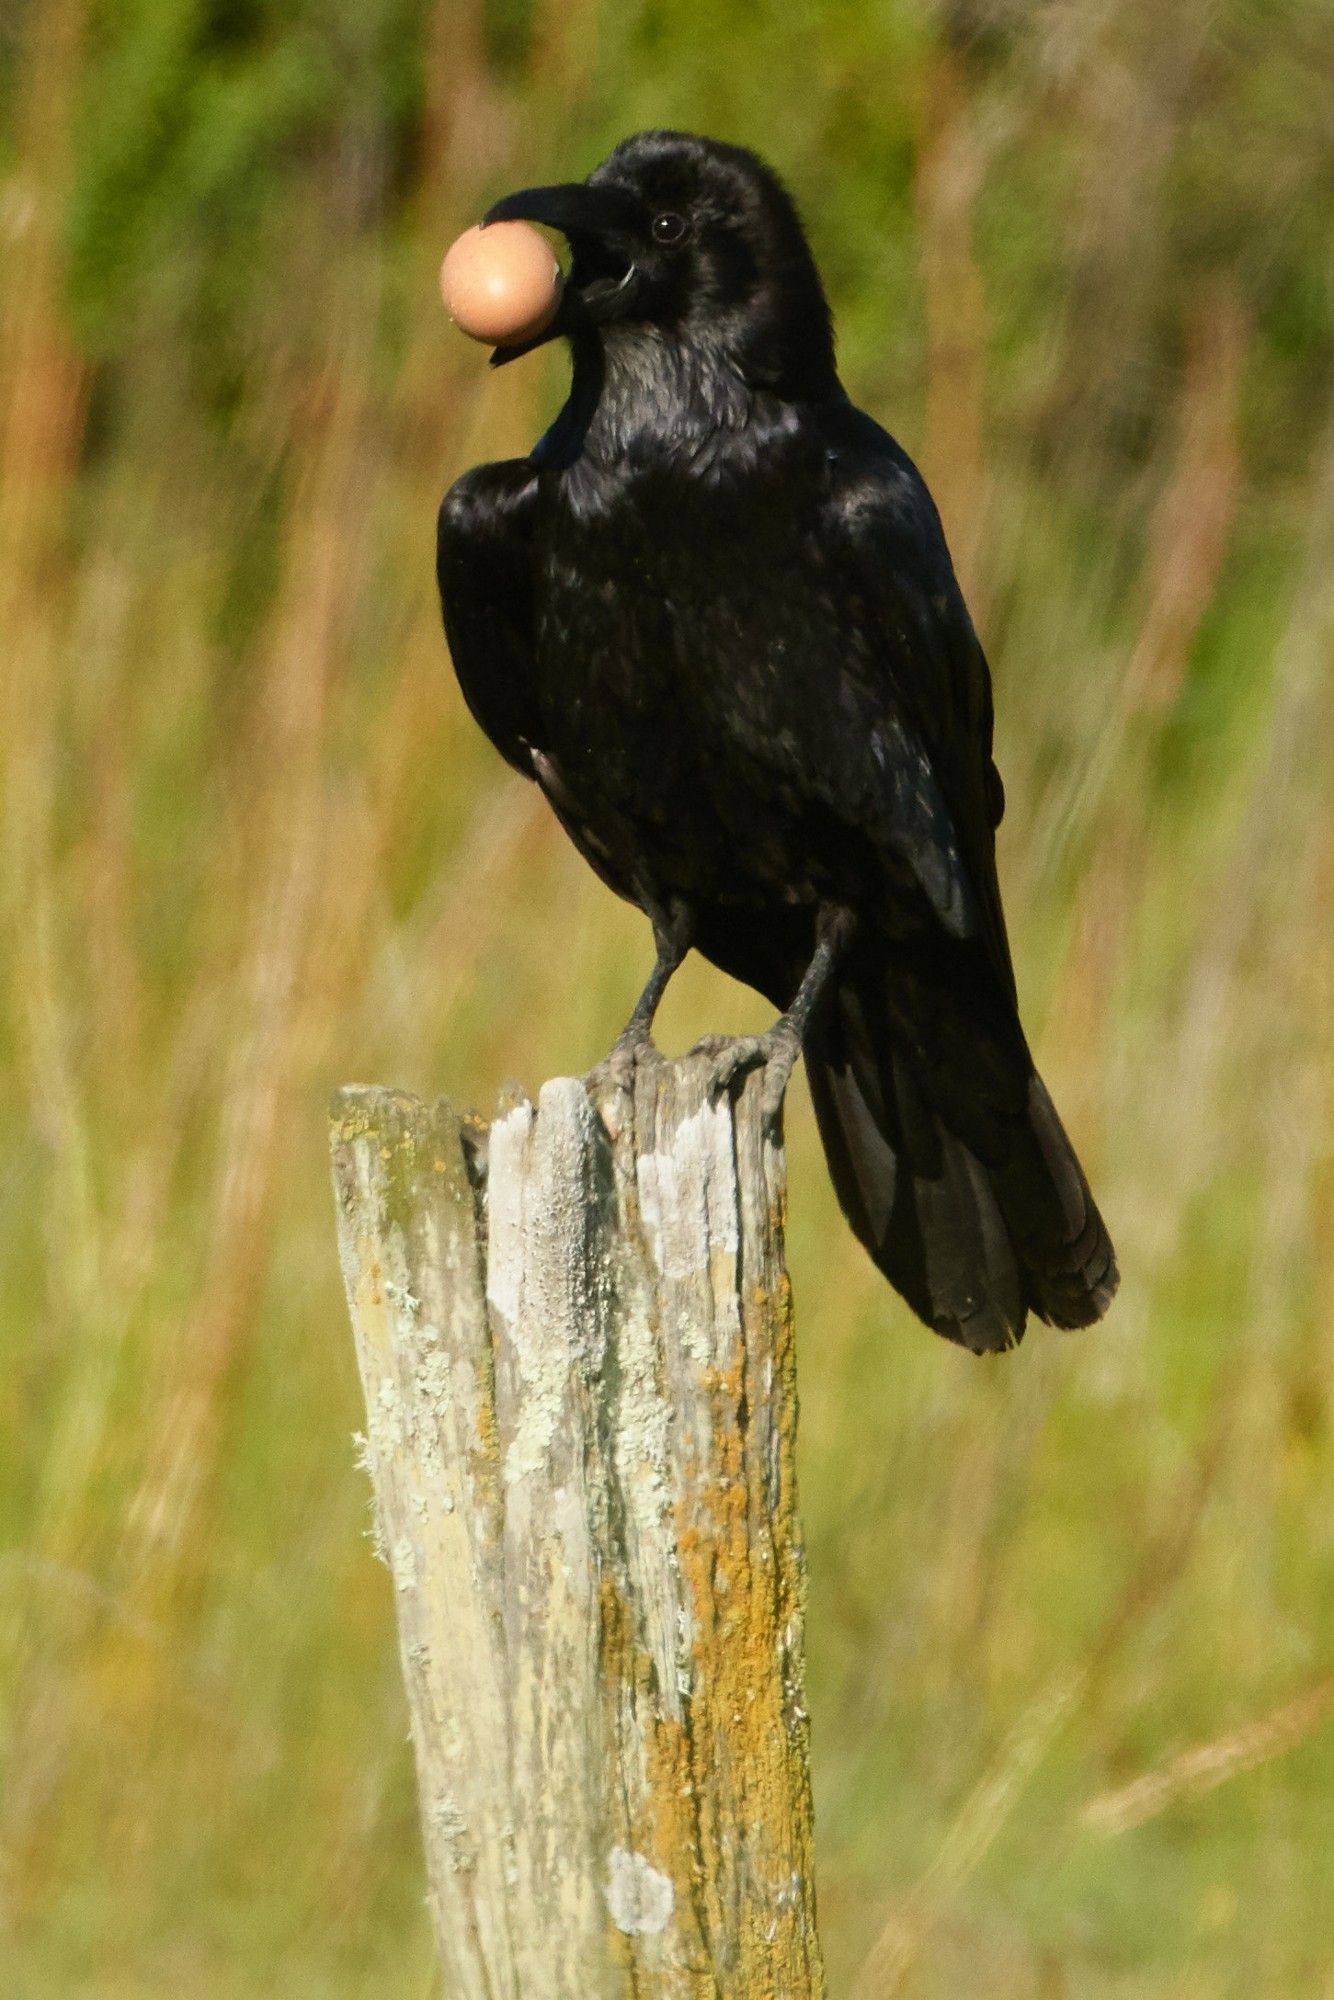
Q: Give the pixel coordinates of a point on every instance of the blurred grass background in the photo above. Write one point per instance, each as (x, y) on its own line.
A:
(1072, 1615)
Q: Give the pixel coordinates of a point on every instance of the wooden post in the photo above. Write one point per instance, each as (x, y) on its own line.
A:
(575, 1337)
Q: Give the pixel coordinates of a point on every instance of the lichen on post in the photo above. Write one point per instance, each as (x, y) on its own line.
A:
(574, 1331)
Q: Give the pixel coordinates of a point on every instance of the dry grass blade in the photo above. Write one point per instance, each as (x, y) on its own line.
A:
(974, 1831)
(1195, 1772)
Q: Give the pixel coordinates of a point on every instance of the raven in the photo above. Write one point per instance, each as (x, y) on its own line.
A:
(713, 615)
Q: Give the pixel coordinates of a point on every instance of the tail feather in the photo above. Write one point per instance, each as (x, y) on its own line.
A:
(977, 1220)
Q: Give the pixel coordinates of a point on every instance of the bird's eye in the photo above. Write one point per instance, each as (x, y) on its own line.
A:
(668, 228)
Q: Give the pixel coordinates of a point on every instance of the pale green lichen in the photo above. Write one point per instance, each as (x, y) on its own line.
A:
(639, 1896)
(387, 1419)
(447, 1821)
(404, 1564)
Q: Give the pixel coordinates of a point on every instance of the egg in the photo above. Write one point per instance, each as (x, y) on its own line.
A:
(501, 283)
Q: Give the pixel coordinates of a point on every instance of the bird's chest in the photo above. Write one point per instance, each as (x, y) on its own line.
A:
(675, 657)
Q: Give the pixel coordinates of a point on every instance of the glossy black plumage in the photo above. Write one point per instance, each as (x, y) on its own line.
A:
(713, 615)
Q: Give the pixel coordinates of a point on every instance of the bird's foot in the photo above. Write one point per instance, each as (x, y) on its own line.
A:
(732, 1056)
(633, 1046)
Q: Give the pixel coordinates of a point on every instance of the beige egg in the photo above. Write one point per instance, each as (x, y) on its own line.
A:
(501, 283)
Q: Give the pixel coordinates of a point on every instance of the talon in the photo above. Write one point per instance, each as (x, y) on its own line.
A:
(711, 1045)
(635, 1045)
(730, 1056)
(785, 1047)
(773, 1093)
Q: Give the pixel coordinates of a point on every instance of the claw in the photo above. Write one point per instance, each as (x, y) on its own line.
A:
(633, 1046)
(731, 1056)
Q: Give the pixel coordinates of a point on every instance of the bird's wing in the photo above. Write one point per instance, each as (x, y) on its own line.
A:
(484, 566)
(486, 562)
(915, 658)
(945, 1149)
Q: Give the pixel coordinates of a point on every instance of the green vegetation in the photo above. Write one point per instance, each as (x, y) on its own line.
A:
(252, 846)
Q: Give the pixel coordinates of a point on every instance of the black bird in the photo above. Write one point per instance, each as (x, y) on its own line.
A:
(713, 615)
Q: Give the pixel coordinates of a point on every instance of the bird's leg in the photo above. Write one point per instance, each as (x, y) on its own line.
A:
(671, 939)
(672, 927)
(779, 1046)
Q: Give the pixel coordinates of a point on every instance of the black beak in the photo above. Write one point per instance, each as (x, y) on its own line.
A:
(600, 214)
(603, 225)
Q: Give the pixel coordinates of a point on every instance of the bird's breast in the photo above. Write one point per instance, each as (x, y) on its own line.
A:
(685, 638)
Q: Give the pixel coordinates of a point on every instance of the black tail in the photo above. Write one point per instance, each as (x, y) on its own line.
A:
(950, 1161)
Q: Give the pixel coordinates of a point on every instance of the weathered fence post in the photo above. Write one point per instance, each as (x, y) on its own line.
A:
(575, 1337)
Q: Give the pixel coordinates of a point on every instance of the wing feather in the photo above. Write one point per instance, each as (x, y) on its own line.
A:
(918, 654)
(485, 568)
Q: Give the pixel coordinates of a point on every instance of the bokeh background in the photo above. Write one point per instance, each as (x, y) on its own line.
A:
(1071, 1613)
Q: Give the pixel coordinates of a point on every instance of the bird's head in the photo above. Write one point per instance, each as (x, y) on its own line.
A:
(700, 242)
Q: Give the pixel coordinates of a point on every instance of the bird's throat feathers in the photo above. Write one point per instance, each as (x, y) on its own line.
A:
(640, 387)
(640, 390)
